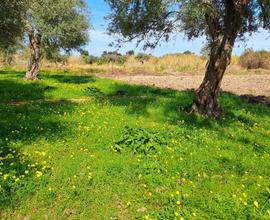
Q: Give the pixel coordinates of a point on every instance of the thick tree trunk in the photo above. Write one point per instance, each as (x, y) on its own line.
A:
(206, 100)
(35, 40)
(223, 36)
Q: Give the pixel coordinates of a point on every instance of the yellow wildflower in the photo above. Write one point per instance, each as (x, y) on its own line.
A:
(256, 204)
(39, 174)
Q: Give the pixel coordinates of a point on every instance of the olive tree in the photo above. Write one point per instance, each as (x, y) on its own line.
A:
(54, 28)
(221, 21)
(12, 13)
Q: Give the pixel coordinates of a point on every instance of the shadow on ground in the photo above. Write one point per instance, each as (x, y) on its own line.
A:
(176, 105)
(12, 73)
(28, 122)
(21, 125)
(74, 79)
(21, 91)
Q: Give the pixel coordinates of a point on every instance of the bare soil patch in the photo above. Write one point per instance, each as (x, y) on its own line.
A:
(253, 87)
(255, 84)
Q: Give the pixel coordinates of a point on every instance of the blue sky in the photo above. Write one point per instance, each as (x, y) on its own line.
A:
(100, 40)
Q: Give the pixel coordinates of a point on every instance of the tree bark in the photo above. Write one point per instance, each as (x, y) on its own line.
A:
(206, 99)
(223, 36)
(35, 41)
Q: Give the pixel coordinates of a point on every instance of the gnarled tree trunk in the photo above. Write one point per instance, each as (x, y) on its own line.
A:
(206, 100)
(35, 40)
(223, 36)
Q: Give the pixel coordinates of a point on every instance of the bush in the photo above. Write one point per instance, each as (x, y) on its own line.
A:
(87, 58)
(205, 51)
(112, 57)
(139, 141)
(255, 59)
(188, 52)
(130, 53)
(90, 59)
(143, 57)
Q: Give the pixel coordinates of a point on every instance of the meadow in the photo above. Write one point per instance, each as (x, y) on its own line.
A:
(75, 146)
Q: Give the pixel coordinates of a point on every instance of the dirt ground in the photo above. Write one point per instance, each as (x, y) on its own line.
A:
(255, 85)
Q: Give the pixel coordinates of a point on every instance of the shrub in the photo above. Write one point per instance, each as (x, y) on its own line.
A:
(130, 53)
(255, 59)
(90, 59)
(139, 141)
(87, 58)
(205, 51)
(188, 52)
(112, 57)
(143, 57)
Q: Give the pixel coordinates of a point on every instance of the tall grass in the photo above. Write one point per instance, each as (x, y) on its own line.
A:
(168, 64)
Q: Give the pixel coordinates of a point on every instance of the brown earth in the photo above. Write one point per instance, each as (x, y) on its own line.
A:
(255, 87)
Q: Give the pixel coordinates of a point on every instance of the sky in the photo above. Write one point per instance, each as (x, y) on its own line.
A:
(100, 40)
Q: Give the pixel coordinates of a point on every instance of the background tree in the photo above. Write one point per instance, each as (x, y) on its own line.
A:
(221, 21)
(188, 52)
(205, 51)
(12, 14)
(87, 58)
(9, 51)
(142, 57)
(53, 29)
(130, 53)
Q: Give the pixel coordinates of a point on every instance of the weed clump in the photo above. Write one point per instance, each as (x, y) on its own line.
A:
(139, 141)
(93, 91)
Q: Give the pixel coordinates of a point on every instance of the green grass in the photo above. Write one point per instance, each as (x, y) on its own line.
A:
(59, 152)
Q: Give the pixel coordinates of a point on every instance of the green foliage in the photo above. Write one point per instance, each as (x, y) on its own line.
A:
(105, 58)
(207, 169)
(112, 57)
(143, 57)
(139, 141)
(255, 59)
(87, 58)
(63, 25)
(12, 13)
(206, 51)
(93, 91)
(150, 21)
(141, 19)
(90, 59)
(7, 54)
(130, 53)
(188, 52)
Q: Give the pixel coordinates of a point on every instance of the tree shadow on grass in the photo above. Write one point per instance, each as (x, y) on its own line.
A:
(73, 79)
(21, 91)
(174, 106)
(12, 73)
(59, 77)
(23, 124)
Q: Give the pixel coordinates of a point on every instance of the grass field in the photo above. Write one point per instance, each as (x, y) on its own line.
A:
(80, 147)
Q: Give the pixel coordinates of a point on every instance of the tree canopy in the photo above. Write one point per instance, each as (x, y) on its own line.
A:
(149, 21)
(53, 28)
(12, 14)
(63, 25)
(221, 21)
